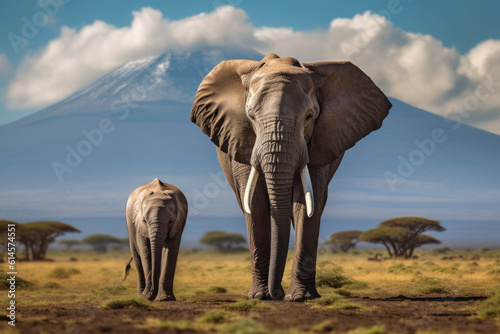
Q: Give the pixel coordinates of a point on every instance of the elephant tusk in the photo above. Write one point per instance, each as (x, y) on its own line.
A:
(308, 191)
(252, 181)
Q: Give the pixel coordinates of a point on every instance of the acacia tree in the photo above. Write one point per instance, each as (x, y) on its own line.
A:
(37, 236)
(69, 243)
(344, 240)
(400, 236)
(223, 241)
(4, 225)
(100, 242)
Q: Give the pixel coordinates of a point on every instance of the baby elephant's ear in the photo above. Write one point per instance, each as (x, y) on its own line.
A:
(180, 212)
(137, 205)
(351, 105)
(219, 109)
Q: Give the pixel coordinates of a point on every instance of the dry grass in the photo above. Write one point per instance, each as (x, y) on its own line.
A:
(204, 273)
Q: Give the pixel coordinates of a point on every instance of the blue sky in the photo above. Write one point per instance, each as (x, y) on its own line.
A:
(459, 25)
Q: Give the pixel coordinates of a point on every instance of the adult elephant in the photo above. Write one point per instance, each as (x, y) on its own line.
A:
(281, 128)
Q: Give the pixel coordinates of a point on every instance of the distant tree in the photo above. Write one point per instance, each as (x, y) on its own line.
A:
(344, 240)
(37, 236)
(69, 243)
(100, 242)
(4, 225)
(223, 241)
(400, 236)
(124, 242)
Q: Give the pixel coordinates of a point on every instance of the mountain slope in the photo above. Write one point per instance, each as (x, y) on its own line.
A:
(81, 158)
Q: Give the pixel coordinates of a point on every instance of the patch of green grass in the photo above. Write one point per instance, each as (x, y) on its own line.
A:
(328, 300)
(396, 268)
(140, 303)
(447, 270)
(214, 317)
(343, 292)
(490, 308)
(247, 326)
(428, 285)
(401, 268)
(374, 330)
(111, 290)
(180, 325)
(217, 289)
(250, 305)
(51, 285)
(20, 282)
(336, 302)
(61, 272)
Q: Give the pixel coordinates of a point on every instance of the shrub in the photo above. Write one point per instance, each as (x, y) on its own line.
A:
(217, 289)
(429, 285)
(333, 278)
(140, 303)
(61, 272)
(20, 282)
(490, 308)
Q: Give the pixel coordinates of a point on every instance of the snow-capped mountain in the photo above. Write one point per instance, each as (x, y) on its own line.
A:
(79, 159)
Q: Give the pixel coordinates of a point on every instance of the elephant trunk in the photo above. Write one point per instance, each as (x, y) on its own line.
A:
(280, 189)
(157, 240)
(279, 161)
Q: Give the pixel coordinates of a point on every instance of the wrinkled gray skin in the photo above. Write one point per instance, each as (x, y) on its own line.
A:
(156, 215)
(278, 116)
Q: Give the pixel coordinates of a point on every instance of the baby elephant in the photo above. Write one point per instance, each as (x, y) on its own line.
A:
(156, 215)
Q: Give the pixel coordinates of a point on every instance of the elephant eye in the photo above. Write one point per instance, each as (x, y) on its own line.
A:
(251, 114)
(309, 117)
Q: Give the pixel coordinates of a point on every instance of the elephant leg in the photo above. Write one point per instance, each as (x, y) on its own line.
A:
(303, 285)
(169, 257)
(258, 224)
(259, 244)
(141, 280)
(145, 253)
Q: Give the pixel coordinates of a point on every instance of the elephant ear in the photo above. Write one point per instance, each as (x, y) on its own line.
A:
(180, 212)
(219, 109)
(351, 106)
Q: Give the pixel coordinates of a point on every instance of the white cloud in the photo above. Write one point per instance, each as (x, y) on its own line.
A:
(77, 58)
(414, 68)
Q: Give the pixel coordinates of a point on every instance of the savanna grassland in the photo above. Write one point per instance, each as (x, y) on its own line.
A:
(436, 293)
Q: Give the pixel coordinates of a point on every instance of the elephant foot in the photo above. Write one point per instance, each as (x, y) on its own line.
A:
(149, 295)
(259, 293)
(301, 294)
(165, 297)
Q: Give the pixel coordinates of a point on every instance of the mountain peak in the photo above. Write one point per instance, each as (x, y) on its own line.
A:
(170, 77)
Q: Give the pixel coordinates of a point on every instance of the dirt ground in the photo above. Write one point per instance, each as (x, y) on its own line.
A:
(398, 314)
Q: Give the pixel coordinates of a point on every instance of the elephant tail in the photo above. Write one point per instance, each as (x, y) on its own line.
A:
(127, 269)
